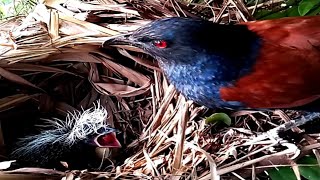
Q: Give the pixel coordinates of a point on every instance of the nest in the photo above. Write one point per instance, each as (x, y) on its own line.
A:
(52, 62)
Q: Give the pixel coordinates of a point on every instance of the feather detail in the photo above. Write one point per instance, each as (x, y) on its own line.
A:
(298, 32)
(285, 74)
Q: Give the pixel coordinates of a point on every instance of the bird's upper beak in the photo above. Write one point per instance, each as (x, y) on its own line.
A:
(124, 39)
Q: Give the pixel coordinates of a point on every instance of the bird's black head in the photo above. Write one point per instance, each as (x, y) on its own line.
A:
(175, 39)
(164, 38)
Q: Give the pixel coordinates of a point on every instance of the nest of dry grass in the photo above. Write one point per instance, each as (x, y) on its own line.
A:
(51, 62)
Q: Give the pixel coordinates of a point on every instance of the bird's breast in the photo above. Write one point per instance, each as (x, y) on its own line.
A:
(199, 83)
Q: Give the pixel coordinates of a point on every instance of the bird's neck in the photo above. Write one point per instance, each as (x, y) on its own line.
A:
(199, 77)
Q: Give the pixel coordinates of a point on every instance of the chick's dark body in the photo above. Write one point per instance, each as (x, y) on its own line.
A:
(261, 64)
(77, 156)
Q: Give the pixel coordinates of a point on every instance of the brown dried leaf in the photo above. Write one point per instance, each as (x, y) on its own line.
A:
(143, 62)
(12, 101)
(17, 79)
(72, 56)
(121, 90)
(70, 28)
(89, 25)
(33, 67)
(132, 75)
(95, 7)
(5, 176)
(36, 171)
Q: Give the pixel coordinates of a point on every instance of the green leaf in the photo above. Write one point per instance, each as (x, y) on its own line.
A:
(292, 2)
(314, 12)
(1, 11)
(307, 5)
(6, 1)
(312, 171)
(290, 11)
(262, 13)
(293, 11)
(219, 117)
(282, 173)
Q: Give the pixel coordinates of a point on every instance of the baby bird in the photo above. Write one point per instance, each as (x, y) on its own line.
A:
(72, 141)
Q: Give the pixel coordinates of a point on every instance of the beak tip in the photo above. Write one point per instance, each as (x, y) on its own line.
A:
(107, 42)
(123, 39)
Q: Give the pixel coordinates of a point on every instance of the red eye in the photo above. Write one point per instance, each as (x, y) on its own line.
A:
(160, 44)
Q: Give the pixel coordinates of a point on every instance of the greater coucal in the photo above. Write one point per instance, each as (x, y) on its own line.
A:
(260, 64)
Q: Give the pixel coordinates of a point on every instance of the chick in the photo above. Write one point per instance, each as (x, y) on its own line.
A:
(72, 141)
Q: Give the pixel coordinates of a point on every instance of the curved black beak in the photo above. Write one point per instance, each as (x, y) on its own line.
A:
(124, 39)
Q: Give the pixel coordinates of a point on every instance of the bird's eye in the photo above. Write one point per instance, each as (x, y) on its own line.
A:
(160, 44)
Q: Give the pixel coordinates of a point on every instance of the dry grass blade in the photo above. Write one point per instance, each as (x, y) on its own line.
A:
(151, 164)
(244, 164)
(213, 167)
(162, 109)
(178, 156)
(54, 25)
(295, 169)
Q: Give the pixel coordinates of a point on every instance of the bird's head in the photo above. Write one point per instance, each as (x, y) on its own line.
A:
(181, 39)
(168, 38)
(89, 127)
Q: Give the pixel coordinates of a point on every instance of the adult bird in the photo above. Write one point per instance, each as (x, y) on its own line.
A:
(253, 65)
(73, 141)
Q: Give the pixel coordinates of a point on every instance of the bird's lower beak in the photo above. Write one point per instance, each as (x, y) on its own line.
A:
(124, 39)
